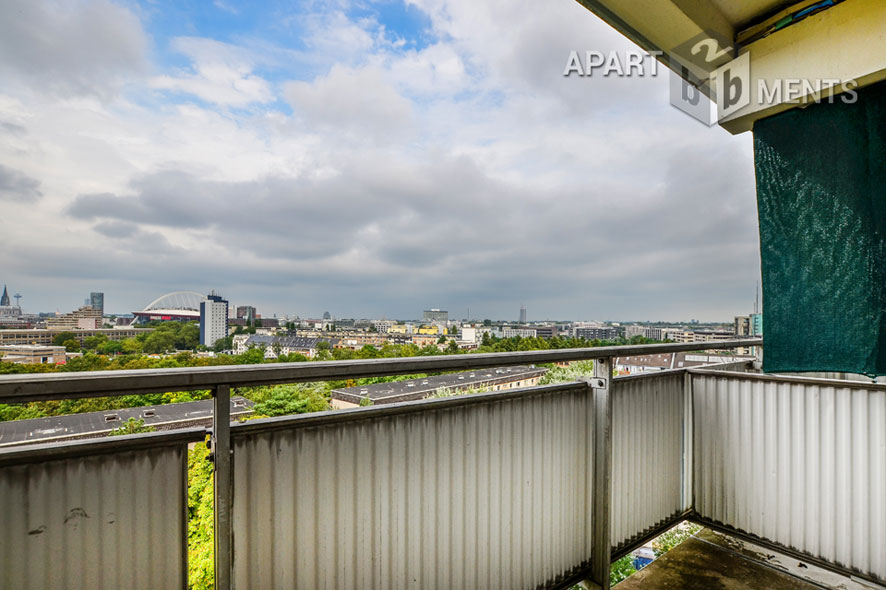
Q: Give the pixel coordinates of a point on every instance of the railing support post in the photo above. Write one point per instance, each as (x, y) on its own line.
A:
(601, 549)
(688, 442)
(221, 450)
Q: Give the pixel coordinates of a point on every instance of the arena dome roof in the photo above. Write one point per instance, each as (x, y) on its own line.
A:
(179, 300)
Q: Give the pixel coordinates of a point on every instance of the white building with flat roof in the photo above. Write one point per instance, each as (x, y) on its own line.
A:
(213, 319)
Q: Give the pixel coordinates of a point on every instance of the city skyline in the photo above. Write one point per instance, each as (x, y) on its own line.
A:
(454, 315)
(375, 158)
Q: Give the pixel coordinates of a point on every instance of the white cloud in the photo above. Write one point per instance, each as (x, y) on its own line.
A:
(467, 172)
(225, 6)
(221, 74)
(357, 102)
(84, 47)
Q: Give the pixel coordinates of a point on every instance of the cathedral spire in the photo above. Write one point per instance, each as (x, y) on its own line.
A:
(4, 300)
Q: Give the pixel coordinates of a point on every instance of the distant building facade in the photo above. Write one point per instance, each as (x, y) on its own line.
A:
(97, 301)
(246, 312)
(44, 337)
(213, 319)
(598, 333)
(547, 332)
(756, 324)
(382, 326)
(468, 334)
(29, 354)
(10, 315)
(514, 332)
(85, 318)
(631, 331)
(435, 315)
(522, 314)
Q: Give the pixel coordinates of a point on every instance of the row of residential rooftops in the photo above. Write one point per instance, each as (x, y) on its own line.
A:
(422, 387)
(98, 424)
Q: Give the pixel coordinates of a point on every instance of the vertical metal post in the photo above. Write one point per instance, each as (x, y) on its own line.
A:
(688, 439)
(221, 450)
(601, 551)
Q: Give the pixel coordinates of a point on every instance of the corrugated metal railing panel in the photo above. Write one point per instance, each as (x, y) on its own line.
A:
(837, 375)
(105, 521)
(490, 495)
(647, 454)
(802, 465)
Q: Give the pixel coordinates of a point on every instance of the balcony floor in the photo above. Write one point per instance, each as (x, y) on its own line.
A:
(713, 561)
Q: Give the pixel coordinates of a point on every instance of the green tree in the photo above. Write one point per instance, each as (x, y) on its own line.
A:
(60, 338)
(226, 343)
(159, 342)
(188, 337)
(253, 356)
(88, 362)
(292, 357)
(368, 352)
(201, 567)
(110, 347)
(575, 371)
(93, 342)
(323, 350)
(71, 345)
(131, 426)
(299, 398)
(131, 346)
(441, 339)
(343, 354)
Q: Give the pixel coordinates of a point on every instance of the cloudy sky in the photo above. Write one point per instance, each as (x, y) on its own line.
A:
(367, 158)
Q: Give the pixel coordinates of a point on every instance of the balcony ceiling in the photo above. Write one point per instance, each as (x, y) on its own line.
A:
(740, 12)
(664, 24)
(833, 43)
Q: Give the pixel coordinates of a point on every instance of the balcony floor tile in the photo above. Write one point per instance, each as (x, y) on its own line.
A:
(713, 561)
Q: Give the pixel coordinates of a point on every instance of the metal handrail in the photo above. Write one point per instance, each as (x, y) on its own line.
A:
(220, 380)
(792, 378)
(55, 451)
(53, 386)
(332, 417)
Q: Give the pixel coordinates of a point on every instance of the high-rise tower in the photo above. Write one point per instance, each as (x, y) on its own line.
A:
(97, 301)
(213, 319)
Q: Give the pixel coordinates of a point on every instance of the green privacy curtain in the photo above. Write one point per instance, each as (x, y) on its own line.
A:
(821, 195)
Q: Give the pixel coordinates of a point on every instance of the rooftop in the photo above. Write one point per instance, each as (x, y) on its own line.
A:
(288, 341)
(678, 360)
(419, 388)
(92, 424)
